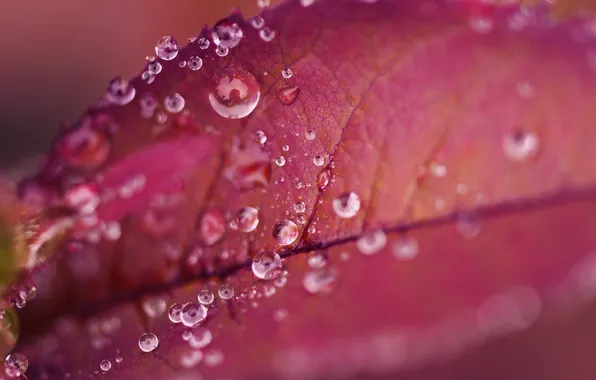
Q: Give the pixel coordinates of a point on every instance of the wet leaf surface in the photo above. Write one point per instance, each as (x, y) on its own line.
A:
(428, 184)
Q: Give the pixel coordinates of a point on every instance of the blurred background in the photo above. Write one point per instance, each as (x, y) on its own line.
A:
(58, 56)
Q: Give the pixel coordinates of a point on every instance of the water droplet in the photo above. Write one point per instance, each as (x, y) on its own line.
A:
(167, 48)
(257, 22)
(285, 148)
(200, 337)
(247, 219)
(346, 205)
(318, 160)
(235, 93)
(84, 198)
(372, 242)
(320, 281)
(266, 265)
(310, 134)
(405, 248)
(260, 137)
(286, 73)
(285, 232)
(105, 365)
(154, 67)
(182, 64)
(317, 260)
(83, 147)
(225, 292)
(269, 290)
(213, 358)
(190, 359)
(222, 51)
(212, 226)
(280, 161)
(520, 145)
(148, 104)
(227, 34)
(205, 297)
(438, 170)
(468, 225)
(306, 3)
(203, 43)
(175, 313)
(118, 359)
(193, 314)
(299, 207)
(481, 24)
(174, 103)
(154, 306)
(147, 77)
(280, 314)
(288, 95)
(16, 364)
(148, 342)
(195, 63)
(119, 92)
(323, 179)
(267, 34)
(263, 4)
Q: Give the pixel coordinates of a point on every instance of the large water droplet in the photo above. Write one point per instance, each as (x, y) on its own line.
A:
(225, 292)
(105, 365)
(346, 205)
(175, 313)
(288, 95)
(372, 242)
(320, 281)
(167, 48)
(148, 342)
(16, 364)
(266, 265)
(285, 232)
(174, 103)
(205, 297)
(235, 93)
(193, 314)
(227, 34)
(154, 307)
(247, 219)
(119, 92)
(405, 248)
(520, 145)
(195, 63)
(200, 337)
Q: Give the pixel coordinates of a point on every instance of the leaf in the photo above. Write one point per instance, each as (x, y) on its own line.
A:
(447, 124)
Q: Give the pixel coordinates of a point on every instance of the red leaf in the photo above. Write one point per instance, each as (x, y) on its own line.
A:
(430, 156)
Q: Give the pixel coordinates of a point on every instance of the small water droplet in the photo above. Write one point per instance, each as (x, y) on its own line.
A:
(317, 260)
(148, 342)
(191, 359)
(468, 225)
(285, 232)
(306, 3)
(105, 365)
(227, 34)
(205, 297)
(521, 145)
(16, 364)
(195, 63)
(267, 34)
(260, 137)
(266, 265)
(310, 134)
(257, 22)
(203, 43)
(438, 170)
(247, 219)
(346, 205)
(167, 48)
(225, 292)
(192, 314)
(320, 281)
(212, 226)
(280, 161)
(323, 179)
(481, 24)
(372, 242)
(174, 103)
(147, 77)
(154, 306)
(318, 160)
(301, 218)
(263, 4)
(235, 93)
(213, 358)
(174, 313)
(405, 248)
(222, 51)
(119, 92)
(288, 95)
(154, 67)
(299, 207)
(286, 73)
(280, 314)
(269, 290)
(200, 337)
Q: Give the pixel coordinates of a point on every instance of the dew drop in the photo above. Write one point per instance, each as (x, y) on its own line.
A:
(310, 134)
(205, 297)
(235, 93)
(405, 248)
(468, 226)
(281, 281)
(167, 48)
(195, 63)
(520, 145)
(193, 314)
(119, 92)
(280, 314)
(84, 147)
(266, 265)
(286, 73)
(301, 219)
(280, 161)
(263, 4)
(154, 67)
(288, 95)
(225, 292)
(174, 313)
(147, 77)
(227, 34)
(318, 160)
(481, 24)
(346, 205)
(222, 51)
(212, 226)
(320, 281)
(317, 260)
(213, 358)
(306, 3)
(260, 137)
(200, 337)
(299, 207)
(203, 43)
(148, 342)
(372, 242)
(323, 179)
(148, 104)
(105, 365)
(247, 219)
(16, 364)
(191, 359)
(154, 307)
(285, 232)
(269, 290)
(174, 103)
(267, 34)
(257, 22)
